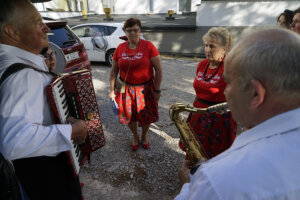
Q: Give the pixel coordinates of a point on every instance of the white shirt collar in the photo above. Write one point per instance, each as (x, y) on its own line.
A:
(25, 56)
(276, 125)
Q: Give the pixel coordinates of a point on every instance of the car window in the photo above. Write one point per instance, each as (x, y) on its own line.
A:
(82, 31)
(110, 29)
(63, 37)
(99, 30)
(103, 30)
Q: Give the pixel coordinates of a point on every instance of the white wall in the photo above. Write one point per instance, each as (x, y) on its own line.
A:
(43, 6)
(59, 15)
(95, 6)
(161, 6)
(219, 13)
(131, 7)
(194, 5)
(125, 6)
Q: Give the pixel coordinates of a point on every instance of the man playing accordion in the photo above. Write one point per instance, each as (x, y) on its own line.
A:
(28, 135)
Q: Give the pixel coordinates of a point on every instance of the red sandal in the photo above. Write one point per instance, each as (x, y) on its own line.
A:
(146, 146)
(134, 147)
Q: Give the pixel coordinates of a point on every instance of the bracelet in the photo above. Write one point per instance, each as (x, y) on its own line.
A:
(157, 91)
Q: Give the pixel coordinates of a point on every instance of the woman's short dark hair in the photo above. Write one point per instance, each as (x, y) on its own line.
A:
(288, 15)
(131, 22)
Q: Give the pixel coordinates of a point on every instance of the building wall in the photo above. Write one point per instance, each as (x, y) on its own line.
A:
(164, 6)
(251, 13)
(122, 6)
(237, 16)
(187, 43)
(95, 6)
(131, 7)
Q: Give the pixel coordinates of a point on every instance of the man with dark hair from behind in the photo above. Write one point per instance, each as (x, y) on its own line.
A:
(263, 93)
(28, 136)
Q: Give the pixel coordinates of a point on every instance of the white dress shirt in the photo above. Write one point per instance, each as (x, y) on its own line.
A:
(262, 163)
(27, 126)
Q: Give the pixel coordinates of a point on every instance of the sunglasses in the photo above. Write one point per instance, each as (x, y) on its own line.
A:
(135, 30)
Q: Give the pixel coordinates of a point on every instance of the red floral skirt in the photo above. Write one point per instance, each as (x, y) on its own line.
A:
(137, 104)
(215, 132)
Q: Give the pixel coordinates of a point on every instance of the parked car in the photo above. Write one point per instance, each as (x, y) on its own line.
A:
(72, 47)
(100, 39)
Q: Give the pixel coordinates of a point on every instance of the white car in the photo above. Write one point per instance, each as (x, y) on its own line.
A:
(100, 39)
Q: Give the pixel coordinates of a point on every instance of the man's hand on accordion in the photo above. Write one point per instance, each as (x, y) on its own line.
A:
(79, 130)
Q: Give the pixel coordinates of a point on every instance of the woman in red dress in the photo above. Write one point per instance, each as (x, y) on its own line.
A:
(136, 60)
(215, 132)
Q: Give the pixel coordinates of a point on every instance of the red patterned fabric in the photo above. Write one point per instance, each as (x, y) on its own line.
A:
(215, 132)
(137, 104)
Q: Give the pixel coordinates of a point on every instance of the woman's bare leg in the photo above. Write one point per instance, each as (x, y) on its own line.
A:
(145, 129)
(133, 127)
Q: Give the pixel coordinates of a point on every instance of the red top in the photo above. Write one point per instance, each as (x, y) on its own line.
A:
(211, 87)
(141, 69)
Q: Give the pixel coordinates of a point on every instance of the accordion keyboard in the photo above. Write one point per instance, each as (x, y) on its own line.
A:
(63, 110)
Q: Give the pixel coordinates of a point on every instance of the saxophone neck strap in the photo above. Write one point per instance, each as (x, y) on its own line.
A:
(194, 169)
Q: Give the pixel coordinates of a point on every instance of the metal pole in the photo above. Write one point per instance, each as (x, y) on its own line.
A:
(84, 9)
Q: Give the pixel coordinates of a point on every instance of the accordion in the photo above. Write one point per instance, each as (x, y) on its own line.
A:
(73, 94)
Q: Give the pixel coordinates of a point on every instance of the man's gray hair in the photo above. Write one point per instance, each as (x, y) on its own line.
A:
(271, 56)
(7, 10)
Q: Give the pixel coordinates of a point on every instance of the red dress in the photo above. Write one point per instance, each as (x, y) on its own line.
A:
(215, 132)
(137, 103)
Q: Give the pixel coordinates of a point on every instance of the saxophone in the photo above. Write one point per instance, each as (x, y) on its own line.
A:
(193, 147)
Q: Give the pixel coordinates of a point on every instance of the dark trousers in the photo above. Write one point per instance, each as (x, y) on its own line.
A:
(46, 178)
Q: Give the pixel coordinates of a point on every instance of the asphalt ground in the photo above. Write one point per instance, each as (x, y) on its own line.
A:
(118, 173)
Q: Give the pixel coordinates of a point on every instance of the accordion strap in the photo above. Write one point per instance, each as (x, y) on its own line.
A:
(19, 66)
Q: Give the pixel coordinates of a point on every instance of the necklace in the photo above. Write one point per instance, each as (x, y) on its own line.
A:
(136, 49)
(131, 56)
(207, 79)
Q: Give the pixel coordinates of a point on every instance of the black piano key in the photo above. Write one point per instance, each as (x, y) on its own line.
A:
(77, 150)
(60, 85)
(79, 156)
(64, 102)
(61, 90)
(64, 106)
(67, 112)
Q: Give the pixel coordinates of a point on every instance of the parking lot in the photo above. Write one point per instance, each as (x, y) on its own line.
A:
(115, 171)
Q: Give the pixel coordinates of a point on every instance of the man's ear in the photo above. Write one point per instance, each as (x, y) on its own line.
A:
(12, 32)
(258, 93)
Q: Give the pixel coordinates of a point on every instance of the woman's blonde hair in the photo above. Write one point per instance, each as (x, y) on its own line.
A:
(219, 35)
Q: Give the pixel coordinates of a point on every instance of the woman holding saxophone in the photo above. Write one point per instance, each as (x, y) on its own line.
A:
(215, 132)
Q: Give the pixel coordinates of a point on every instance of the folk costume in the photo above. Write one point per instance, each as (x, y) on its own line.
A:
(215, 132)
(137, 102)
